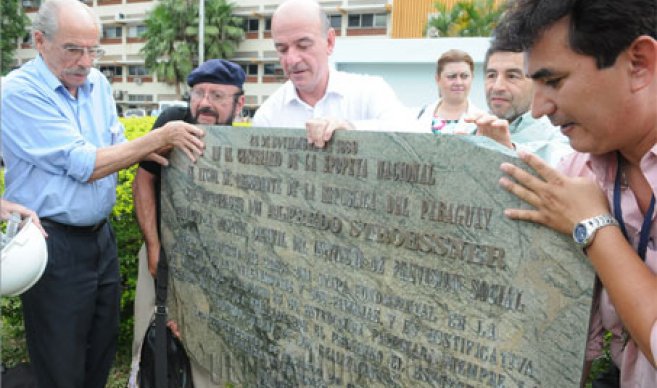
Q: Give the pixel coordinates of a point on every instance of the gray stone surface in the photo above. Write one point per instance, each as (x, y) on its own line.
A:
(384, 260)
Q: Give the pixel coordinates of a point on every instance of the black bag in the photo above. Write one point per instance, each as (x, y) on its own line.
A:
(156, 371)
(179, 372)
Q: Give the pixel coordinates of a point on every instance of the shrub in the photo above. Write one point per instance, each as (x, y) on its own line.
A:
(465, 18)
(128, 235)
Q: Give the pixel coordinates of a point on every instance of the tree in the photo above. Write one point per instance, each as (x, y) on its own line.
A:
(12, 27)
(171, 48)
(465, 18)
(223, 30)
(167, 53)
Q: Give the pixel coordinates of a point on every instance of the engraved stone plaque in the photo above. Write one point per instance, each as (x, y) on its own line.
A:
(383, 260)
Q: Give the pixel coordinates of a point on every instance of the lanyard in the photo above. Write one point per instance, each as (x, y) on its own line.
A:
(645, 228)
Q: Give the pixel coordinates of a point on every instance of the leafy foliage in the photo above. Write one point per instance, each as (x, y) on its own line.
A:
(134, 127)
(167, 52)
(129, 241)
(222, 31)
(172, 37)
(127, 232)
(601, 364)
(12, 27)
(465, 18)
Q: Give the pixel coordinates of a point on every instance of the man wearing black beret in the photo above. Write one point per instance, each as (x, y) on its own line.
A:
(216, 97)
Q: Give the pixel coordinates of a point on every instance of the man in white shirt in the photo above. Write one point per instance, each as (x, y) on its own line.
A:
(315, 96)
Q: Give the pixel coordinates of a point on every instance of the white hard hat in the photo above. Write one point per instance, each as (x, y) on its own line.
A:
(23, 260)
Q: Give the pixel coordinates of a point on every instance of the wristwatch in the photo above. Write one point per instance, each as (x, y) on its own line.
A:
(584, 231)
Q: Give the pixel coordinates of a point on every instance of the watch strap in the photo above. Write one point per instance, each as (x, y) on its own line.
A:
(592, 225)
(600, 221)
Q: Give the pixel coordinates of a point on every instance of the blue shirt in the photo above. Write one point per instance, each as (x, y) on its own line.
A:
(540, 137)
(49, 144)
(537, 136)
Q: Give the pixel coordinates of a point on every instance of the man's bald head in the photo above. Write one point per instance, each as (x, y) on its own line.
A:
(307, 9)
(304, 41)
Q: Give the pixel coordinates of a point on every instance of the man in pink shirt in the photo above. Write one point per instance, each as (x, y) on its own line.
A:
(594, 66)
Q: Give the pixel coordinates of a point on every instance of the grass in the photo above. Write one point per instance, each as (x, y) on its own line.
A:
(120, 372)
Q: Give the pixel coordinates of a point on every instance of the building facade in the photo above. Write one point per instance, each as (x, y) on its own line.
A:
(392, 28)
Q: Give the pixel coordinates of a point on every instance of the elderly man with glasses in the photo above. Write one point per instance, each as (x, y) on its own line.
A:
(216, 97)
(62, 145)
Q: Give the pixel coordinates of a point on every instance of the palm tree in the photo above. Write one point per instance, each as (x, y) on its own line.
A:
(223, 30)
(465, 18)
(12, 27)
(171, 48)
(167, 53)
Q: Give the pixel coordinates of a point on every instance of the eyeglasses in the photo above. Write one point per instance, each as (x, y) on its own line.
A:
(76, 52)
(214, 97)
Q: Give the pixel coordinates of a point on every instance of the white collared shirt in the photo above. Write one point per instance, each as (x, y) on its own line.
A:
(366, 101)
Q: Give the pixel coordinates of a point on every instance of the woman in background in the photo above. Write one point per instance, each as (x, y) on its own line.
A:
(454, 72)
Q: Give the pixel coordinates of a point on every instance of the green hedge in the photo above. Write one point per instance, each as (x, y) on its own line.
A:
(127, 232)
(129, 241)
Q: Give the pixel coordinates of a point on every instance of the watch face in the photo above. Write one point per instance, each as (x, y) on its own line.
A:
(579, 234)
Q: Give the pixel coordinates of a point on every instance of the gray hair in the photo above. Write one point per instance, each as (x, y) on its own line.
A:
(47, 19)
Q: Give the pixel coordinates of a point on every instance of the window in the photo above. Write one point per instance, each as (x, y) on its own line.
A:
(140, 97)
(31, 3)
(354, 21)
(268, 24)
(251, 25)
(336, 21)
(273, 69)
(380, 20)
(112, 32)
(367, 20)
(250, 69)
(112, 71)
(248, 111)
(137, 71)
(136, 31)
(26, 42)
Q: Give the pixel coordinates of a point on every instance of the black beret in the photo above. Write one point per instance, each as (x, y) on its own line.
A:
(217, 71)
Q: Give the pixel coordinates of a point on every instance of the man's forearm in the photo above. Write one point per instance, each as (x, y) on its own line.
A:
(144, 196)
(178, 134)
(117, 157)
(631, 290)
